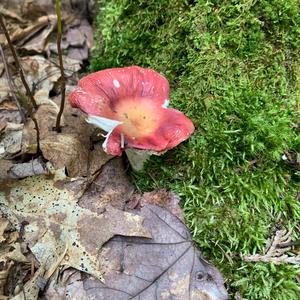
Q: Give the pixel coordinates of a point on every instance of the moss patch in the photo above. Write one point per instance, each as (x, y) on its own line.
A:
(233, 70)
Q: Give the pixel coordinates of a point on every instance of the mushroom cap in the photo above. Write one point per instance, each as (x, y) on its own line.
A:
(131, 105)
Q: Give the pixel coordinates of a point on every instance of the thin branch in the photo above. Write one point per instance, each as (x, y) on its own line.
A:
(9, 81)
(63, 78)
(18, 65)
(28, 91)
(38, 148)
(276, 251)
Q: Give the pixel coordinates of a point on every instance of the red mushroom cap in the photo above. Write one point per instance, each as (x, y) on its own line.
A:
(131, 105)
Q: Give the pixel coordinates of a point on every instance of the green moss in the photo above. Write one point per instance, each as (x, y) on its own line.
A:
(232, 66)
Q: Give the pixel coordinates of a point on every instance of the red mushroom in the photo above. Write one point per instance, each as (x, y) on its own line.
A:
(131, 105)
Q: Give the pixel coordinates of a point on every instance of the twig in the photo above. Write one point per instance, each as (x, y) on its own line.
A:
(9, 81)
(63, 78)
(19, 68)
(28, 91)
(276, 251)
(36, 125)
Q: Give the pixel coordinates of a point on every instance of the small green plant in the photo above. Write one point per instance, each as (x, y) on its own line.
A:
(233, 69)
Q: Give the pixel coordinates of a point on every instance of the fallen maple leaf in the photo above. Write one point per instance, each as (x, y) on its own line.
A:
(168, 266)
(57, 224)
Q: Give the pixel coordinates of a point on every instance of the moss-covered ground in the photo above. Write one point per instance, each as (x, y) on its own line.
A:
(233, 70)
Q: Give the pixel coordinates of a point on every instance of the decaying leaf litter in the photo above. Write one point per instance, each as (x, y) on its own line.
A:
(57, 222)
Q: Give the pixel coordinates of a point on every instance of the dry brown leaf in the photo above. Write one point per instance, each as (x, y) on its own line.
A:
(46, 119)
(56, 221)
(3, 277)
(11, 14)
(8, 105)
(2, 125)
(11, 257)
(3, 225)
(5, 166)
(79, 54)
(163, 198)
(168, 266)
(22, 35)
(4, 89)
(11, 140)
(97, 159)
(30, 290)
(1, 68)
(16, 254)
(31, 10)
(70, 284)
(111, 185)
(65, 150)
(41, 73)
(39, 41)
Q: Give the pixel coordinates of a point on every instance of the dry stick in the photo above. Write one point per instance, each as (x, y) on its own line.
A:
(28, 91)
(63, 78)
(19, 69)
(9, 81)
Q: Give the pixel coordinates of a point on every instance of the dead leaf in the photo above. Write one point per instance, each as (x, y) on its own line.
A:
(5, 166)
(30, 290)
(75, 37)
(168, 266)
(16, 253)
(3, 225)
(33, 9)
(41, 73)
(112, 186)
(22, 170)
(97, 158)
(4, 89)
(79, 53)
(56, 221)
(8, 105)
(70, 284)
(163, 198)
(11, 14)
(22, 35)
(292, 158)
(10, 143)
(39, 41)
(65, 150)
(11, 258)
(46, 119)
